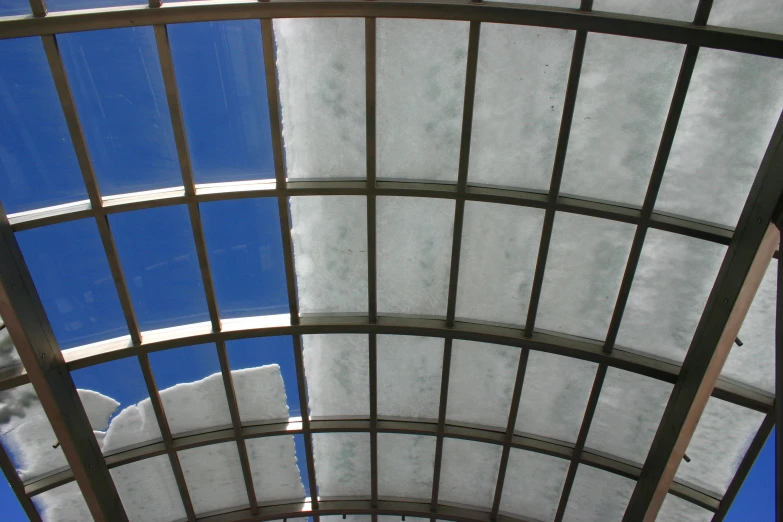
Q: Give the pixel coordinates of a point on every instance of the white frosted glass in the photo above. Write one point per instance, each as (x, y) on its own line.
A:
(754, 362)
(469, 472)
(63, 504)
(481, 383)
(721, 439)
(405, 465)
(198, 405)
(348, 518)
(732, 106)
(756, 15)
(409, 372)
(8, 355)
(550, 3)
(554, 396)
(320, 69)
(342, 464)
(148, 490)
(265, 383)
(274, 469)
(396, 518)
(598, 496)
(520, 89)
(214, 477)
(533, 485)
(329, 234)
(671, 286)
(420, 92)
(626, 419)
(497, 262)
(587, 258)
(414, 254)
(621, 106)
(675, 509)
(337, 367)
(683, 10)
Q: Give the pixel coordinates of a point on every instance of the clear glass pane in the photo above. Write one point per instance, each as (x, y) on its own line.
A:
(320, 68)
(409, 372)
(554, 396)
(69, 5)
(756, 15)
(161, 268)
(675, 509)
(14, 7)
(338, 374)
(38, 166)
(520, 90)
(420, 92)
(683, 10)
(330, 253)
(491, 370)
(498, 258)
(247, 260)
(533, 484)
(629, 409)
(587, 258)
(274, 468)
(621, 106)
(8, 355)
(671, 287)
(72, 277)
(64, 503)
(148, 490)
(732, 106)
(414, 254)
(597, 496)
(342, 464)
(222, 88)
(405, 465)
(469, 472)
(118, 89)
(214, 477)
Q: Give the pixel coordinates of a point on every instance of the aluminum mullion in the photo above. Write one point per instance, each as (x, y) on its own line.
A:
(39, 8)
(17, 486)
(306, 433)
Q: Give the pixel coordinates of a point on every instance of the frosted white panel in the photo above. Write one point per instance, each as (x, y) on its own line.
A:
(621, 106)
(469, 472)
(754, 362)
(672, 283)
(414, 254)
(629, 409)
(405, 465)
(587, 258)
(756, 15)
(260, 393)
(721, 439)
(675, 509)
(533, 485)
(8, 355)
(133, 425)
(196, 405)
(554, 396)
(551, 3)
(148, 490)
(337, 367)
(349, 518)
(419, 94)
(683, 10)
(214, 477)
(598, 496)
(273, 467)
(481, 383)
(733, 103)
(520, 89)
(342, 464)
(497, 262)
(329, 234)
(63, 504)
(320, 69)
(409, 372)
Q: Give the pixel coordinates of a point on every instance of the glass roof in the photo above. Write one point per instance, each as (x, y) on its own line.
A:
(362, 260)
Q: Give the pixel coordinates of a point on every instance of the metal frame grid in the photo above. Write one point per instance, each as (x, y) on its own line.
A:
(751, 246)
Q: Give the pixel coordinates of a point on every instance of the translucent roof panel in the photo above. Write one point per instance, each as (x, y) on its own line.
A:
(533, 485)
(670, 289)
(597, 496)
(8, 356)
(683, 10)
(481, 382)
(469, 472)
(414, 254)
(675, 509)
(274, 470)
(342, 464)
(214, 477)
(498, 258)
(405, 465)
(520, 89)
(62, 504)
(756, 15)
(246, 261)
(409, 373)
(730, 112)
(118, 89)
(554, 396)
(38, 166)
(338, 374)
(621, 106)
(320, 67)
(587, 257)
(148, 490)
(222, 89)
(420, 91)
(330, 253)
(629, 409)
(72, 277)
